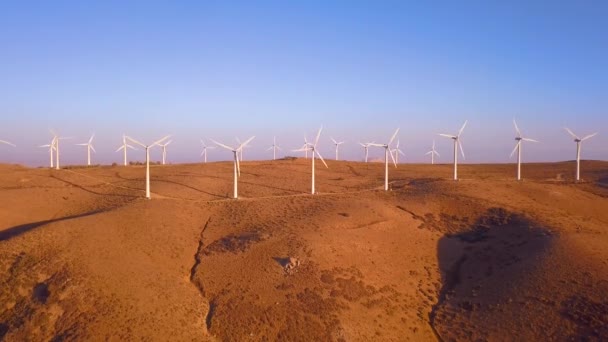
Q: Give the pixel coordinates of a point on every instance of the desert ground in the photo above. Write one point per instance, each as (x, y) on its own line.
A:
(84, 256)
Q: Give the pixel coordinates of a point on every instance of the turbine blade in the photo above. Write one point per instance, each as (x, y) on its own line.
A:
(377, 145)
(245, 143)
(517, 129)
(429, 152)
(84, 144)
(131, 147)
(570, 132)
(589, 136)
(91, 139)
(393, 137)
(8, 143)
(135, 141)
(447, 135)
(93, 148)
(301, 149)
(238, 165)
(320, 157)
(461, 149)
(401, 152)
(393, 158)
(157, 142)
(318, 136)
(528, 139)
(120, 148)
(335, 142)
(515, 149)
(462, 128)
(436, 153)
(222, 145)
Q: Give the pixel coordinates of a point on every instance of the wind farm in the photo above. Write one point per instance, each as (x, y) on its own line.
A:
(233, 171)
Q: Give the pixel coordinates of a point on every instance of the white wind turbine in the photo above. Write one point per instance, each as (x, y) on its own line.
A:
(56, 138)
(313, 150)
(90, 147)
(147, 148)
(366, 147)
(457, 145)
(578, 150)
(433, 153)
(519, 138)
(274, 147)
(237, 165)
(51, 147)
(124, 147)
(387, 147)
(337, 144)
(396, 151)
(164, 149)
(205, 147)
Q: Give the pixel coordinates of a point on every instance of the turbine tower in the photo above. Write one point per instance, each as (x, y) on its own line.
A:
(387, 147)
(432, 152)
(457, 145)
(519, 138)
(237, 165)
(313, 151)
(205, 147)
(274, 147)
(337, 144)
(164, 147)
(51, 147)
(578, 142)
(147, 148)
(90, 147)
(124, 147)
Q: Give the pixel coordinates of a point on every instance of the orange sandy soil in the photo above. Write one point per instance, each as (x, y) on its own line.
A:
(83, 256)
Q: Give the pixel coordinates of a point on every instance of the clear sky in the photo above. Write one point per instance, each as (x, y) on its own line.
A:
(220, 69)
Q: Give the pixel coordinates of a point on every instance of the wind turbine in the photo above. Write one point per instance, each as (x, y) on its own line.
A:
(432, 152)
(237, 165)
(457, 144)
(517, 147)
(366, 147)
(89, 148)
(164, 146)
(205, 147)
(51, 147)
(578, 150)
(397, 152)
(124, 147)
(337, 143)
(313, 150)
(56, 138)
(386, 153)
(274, 148)
(147, 147)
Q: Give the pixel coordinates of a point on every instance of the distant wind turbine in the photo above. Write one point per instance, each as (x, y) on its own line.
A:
(519, 138)
(366, 148)
(457, 145)
(237, 166)
(337, 144)
(396, 151)
(56, 138)
(51, 147)
(164, 150)
(387, 147)
(204, 152)
(433, 153)
(578, 150)
(274, 147)
(90, 147)
(313, 150)
(124, 147)
(147, 148)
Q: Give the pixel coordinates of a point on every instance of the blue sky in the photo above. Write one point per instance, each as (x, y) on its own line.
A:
(219, 69)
